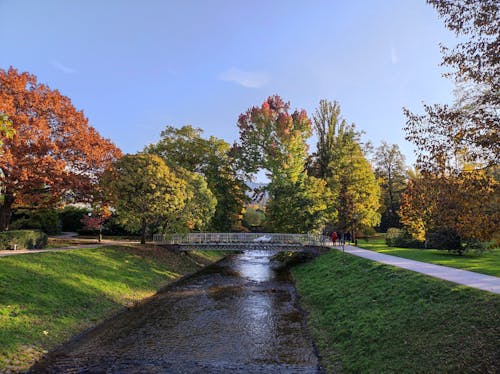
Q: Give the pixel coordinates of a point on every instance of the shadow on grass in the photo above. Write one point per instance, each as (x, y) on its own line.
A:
(46, 298)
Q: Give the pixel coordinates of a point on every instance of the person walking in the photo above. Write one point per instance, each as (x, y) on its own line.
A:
(334, 237)
(348, 237)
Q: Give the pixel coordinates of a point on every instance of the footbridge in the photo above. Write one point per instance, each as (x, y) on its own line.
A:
(241, 241)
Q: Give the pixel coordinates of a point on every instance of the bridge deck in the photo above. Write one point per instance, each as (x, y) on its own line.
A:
(240, 241)
(239, 246)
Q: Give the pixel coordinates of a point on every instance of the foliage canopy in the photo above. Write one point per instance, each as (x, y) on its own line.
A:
(54, 153)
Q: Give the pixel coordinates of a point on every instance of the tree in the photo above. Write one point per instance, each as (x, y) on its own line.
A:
(340, 160)
(354, 182)
(303, 206)
(200, 204)
(54, 153)
(458, 146)
(390, 170)
(273, 139)
(471, 126)
(465, 205)
(95, 220)
(144, 191)
(333, 132)
(185, 148)
(253, 217)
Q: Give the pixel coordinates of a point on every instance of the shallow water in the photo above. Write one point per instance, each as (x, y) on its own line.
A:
(238, 315)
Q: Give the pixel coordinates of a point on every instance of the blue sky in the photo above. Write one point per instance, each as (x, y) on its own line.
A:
(135, 66)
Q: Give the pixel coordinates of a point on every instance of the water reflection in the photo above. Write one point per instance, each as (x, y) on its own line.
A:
(254, 265)
(236, 316)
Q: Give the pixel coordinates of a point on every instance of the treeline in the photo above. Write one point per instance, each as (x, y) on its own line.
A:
(186, 182)
(51, 157)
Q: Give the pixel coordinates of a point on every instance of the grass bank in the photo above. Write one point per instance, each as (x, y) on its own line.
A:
(485, 263)
(46, 298)
(370, 318)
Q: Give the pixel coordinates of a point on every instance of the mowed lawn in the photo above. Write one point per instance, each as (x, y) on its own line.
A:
(46, 298)
(486, 263)
(366, 317)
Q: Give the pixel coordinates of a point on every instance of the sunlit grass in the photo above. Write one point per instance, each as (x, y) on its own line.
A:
(367, 317)
(485, 263)
(46, 298)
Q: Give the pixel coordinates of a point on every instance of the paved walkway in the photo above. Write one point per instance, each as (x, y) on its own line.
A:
(464, 277)
(467, 278)
(67, 235)
(4, 253)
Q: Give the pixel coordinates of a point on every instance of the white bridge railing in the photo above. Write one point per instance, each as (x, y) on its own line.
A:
(253, 239)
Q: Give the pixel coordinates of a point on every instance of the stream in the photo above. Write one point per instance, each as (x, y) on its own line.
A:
(238, 315)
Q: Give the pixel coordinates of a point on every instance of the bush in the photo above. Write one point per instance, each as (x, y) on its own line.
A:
(401, 238)
(24, 239)
(366, 232)
(444, 238)
(46, 220)
(71, 217)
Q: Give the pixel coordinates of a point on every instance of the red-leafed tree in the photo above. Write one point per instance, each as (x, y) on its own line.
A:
(95, 221)
(54, 153)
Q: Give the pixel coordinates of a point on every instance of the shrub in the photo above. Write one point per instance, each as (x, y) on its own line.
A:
(24, 239)
(46, 220)
(393, 233)
(401, 238)
(367, 232)
(444, 238)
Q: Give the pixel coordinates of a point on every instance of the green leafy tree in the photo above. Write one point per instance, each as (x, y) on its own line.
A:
(145, 192)
(390, 170)
(253, 217)
(186, 148)
(354, 182)
(333, 134)
(273, 139)
(303, 206)
(200, 204)
(340, 161)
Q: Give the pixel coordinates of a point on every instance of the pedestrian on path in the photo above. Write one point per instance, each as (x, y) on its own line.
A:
(334, 237)
(348, 237)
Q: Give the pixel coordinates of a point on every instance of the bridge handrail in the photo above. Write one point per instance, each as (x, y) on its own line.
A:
(228, 238)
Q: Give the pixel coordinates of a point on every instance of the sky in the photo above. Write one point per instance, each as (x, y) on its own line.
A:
(134, 67)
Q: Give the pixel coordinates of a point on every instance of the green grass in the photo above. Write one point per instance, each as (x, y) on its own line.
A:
(367, 317)
(485, 263)
(45, 298)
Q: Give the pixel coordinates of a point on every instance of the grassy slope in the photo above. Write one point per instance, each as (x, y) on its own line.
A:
(368, 317)
(486, 263)
(48, 297)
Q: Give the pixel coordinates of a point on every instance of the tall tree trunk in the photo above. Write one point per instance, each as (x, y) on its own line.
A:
(6, 211)
(143, 232)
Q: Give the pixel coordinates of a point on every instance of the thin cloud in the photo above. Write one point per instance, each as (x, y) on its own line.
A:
(394, 55)
(63, 68)
(248, 79)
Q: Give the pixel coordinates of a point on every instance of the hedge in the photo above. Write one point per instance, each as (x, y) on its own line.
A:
(23, 239)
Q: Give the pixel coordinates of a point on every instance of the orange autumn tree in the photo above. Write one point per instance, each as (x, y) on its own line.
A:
(54, 154)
